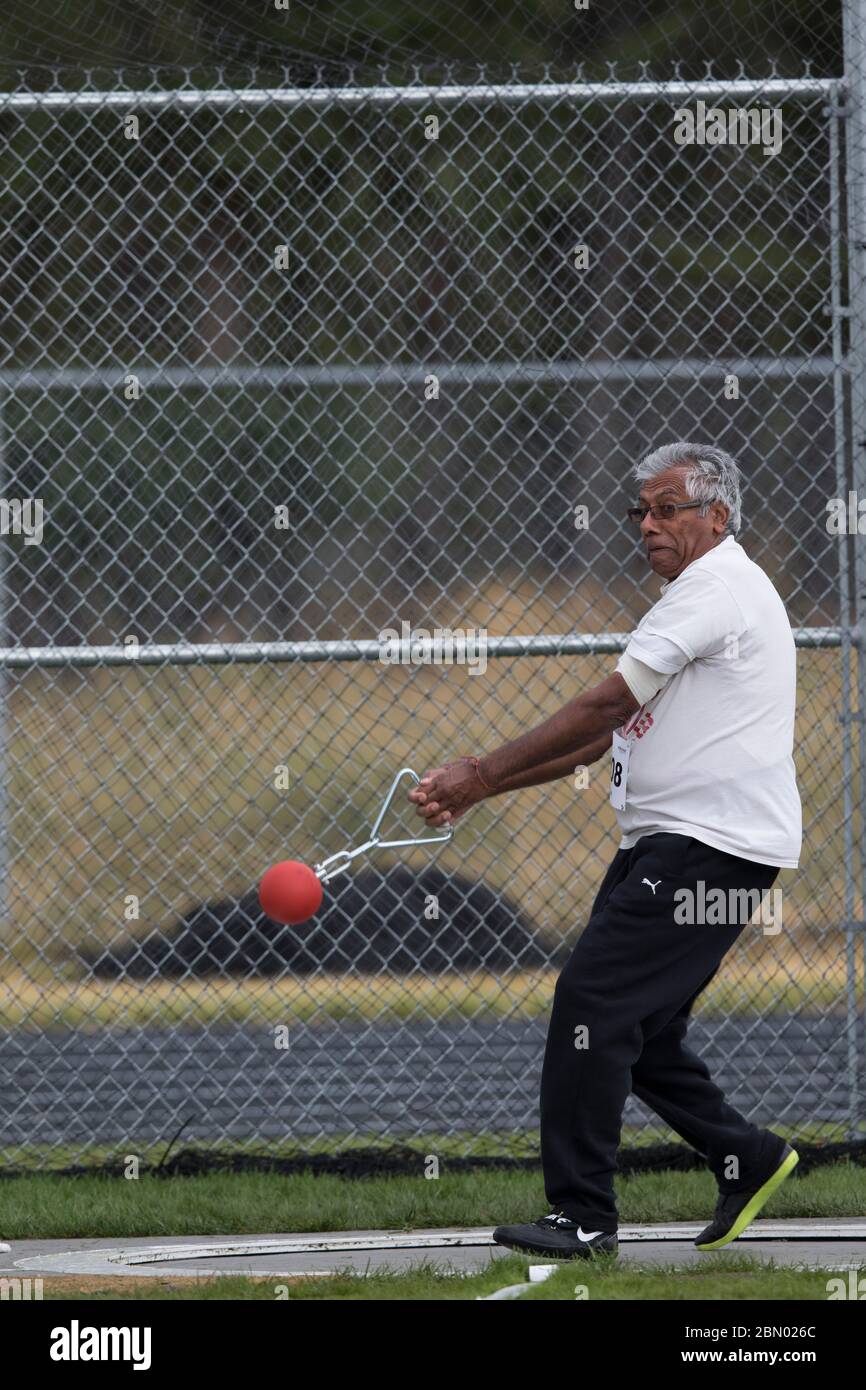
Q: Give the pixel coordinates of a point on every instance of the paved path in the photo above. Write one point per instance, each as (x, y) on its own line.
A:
(836, 1245)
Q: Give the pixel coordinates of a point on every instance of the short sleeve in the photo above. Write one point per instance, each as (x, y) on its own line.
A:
(696, 616)
(642, 680)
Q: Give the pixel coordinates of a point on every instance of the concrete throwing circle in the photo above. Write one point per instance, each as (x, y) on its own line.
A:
(801, 1244)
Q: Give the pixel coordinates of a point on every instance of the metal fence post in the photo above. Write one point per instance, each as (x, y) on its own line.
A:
(854, 37)
(835, 114)
(4, 695)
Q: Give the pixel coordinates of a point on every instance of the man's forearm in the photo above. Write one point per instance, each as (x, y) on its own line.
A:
(593, 715)
(556, 767)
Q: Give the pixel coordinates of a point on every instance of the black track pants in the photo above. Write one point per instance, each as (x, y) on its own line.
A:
(619, 1020)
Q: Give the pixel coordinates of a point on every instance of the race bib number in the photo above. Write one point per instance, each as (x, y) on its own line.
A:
(619, 751)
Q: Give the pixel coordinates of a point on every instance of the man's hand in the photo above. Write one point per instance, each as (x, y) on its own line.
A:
(445, 794)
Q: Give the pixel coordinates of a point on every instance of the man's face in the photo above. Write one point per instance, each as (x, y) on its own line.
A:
(671, 545)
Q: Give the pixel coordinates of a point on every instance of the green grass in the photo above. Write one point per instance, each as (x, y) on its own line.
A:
(723, 1276)
(45, 1206)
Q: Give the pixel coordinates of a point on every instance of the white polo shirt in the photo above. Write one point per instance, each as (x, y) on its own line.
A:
(710, 755)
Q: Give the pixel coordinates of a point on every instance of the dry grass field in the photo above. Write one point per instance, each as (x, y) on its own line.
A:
(140, 790)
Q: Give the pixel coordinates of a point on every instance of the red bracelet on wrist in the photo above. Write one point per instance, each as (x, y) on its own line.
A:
(474, 762)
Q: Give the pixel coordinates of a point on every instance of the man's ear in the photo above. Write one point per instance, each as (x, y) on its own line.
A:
(720, 516)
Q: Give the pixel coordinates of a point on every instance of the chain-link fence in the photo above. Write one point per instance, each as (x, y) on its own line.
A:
(291, 367)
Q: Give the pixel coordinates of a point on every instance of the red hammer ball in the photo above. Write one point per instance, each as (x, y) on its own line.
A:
(290, 892)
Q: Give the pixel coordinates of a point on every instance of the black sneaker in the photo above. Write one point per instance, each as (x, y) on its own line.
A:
(557, 1234)
(735, 1210)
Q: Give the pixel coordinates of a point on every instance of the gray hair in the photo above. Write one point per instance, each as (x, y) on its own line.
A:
(713, 476)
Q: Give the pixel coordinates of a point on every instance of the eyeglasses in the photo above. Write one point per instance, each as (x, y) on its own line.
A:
(661, 511)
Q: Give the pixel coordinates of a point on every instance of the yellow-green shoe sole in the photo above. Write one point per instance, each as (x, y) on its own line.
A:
(751, 1209)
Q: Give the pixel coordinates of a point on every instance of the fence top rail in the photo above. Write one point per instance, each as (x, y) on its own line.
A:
(418, 93)
(345, 374)
(363, 649)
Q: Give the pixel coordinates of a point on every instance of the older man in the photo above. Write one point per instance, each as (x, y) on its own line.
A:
(699, 715)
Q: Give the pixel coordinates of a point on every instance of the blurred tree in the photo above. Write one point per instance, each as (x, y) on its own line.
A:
(754, 34)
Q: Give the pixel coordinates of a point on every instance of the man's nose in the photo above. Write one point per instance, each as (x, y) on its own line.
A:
(648, 527)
